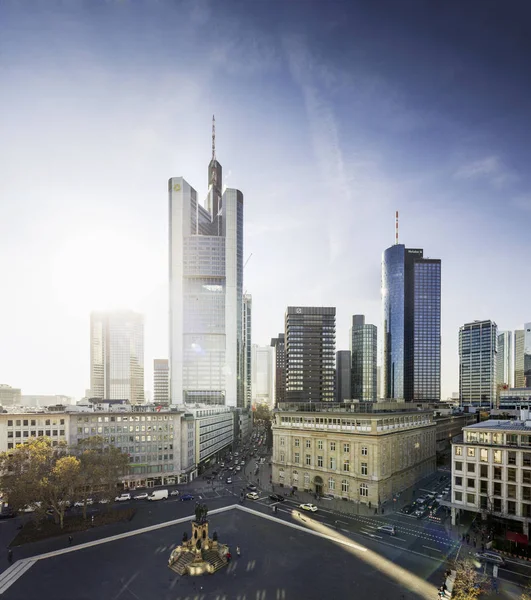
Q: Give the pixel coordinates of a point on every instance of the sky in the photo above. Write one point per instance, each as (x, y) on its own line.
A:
(329, 117)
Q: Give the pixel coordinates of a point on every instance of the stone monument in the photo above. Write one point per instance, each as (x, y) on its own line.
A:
(199, 554)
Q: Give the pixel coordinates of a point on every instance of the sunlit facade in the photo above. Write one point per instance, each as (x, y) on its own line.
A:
(161, 381)
(117, 356)
(411, 325)
(519, 379)
(504, 365)
(247, 348)
(206, 279)
(363, 346)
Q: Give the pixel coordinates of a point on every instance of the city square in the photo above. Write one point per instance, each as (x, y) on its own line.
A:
(277, 561)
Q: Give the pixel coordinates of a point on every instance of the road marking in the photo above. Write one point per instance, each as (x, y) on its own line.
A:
(343, 522)
(434, 549)
(14, 572)
(514, 573)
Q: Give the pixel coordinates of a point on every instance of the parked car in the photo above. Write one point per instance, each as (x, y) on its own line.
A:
(251, 487)
(142, 496)
(490, 557)
(390, 529)
(252, 496)
(327, 497)
(103, 501)
(408, 509)
(238, 468)
(308, 506)
(174, 493)
(228, 480)
(123, 497)
(276, 498)
(186, 497)
(81, 503)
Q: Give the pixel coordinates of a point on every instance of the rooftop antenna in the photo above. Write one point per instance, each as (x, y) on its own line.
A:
(213, 137)
(396, 227)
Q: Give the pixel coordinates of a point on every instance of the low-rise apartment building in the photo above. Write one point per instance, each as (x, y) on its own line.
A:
(18, 427)
(491, 471)
(362, 457)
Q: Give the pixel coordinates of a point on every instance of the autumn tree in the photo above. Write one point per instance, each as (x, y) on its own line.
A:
(469, 583)
(58, 487)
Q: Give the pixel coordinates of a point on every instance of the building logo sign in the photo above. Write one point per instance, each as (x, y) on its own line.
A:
(299, 311)
(177, 187)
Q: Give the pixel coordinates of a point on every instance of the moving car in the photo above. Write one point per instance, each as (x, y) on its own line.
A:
(158, 495)
(186, 497)
(252, 496)
(308, 506)
(142, 496)
(174, 493)
(238, 468)
(251, 487)
(390, 529)
(123, 497)
(490, 557)
(276, 498)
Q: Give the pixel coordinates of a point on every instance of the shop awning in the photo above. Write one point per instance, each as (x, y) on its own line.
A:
(519, 538)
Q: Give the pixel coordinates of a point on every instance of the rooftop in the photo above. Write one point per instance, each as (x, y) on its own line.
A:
(502, 425)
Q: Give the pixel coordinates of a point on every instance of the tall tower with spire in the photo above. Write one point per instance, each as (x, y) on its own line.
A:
(411, 324)
(206, 291)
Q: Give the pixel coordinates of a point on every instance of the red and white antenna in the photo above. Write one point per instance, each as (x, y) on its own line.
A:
(396, 227)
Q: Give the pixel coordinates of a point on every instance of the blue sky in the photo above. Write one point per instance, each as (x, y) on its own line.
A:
(330, 116)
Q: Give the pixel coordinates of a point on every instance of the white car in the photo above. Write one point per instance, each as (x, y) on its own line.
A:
(31, 507)
(490, 557)
(174, 493)
(238, 468)
(123, 497)
(142, 496)
(104, 501)
(390, 529)
(307, 506)
(252, 496)
(81, 503)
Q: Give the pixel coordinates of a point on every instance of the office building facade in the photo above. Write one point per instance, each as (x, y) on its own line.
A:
(363, 347)
(504, 362)
(206, 293)
(343, 376)
(310, 353)
(247, 349)
(527, 355)
(411, 325)
(161, 381)
(279, 372)
(519, 339)
(478, 342)
(117, 356)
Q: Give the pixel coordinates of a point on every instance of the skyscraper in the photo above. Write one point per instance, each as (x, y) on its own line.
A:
(262, 370)
(527, 355)
(161, 381)
(279, 372)
(247, 348)
(519, 338)
(310, 354)
(343, 376)
(477, 363)
(206, 289)
(504, 362)
(117, 356)
(411, 325)
(363, 346)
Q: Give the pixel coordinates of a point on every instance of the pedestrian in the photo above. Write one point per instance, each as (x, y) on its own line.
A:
(468, 538)
(464, 536)
(238, 550)
(10, 556)
(229, 556)
(70, 540)
(475, 542)
(482, 547)
(369, 504)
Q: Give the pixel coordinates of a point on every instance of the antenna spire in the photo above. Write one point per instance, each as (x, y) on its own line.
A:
(213, 137)
(396, 227)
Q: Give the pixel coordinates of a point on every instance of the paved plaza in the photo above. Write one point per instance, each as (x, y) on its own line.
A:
(278, 562)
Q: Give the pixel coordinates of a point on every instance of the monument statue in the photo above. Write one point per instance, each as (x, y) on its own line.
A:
(201, 512)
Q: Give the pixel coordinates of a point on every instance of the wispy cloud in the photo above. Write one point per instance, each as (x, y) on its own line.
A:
(490, 169)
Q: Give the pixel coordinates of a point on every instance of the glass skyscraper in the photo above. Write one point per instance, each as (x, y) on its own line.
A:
(206, 293)
(411, 325)
(343, 376)
(478, 343)
(247, 348)
(504, 367)
(117, 356)
(363, 344)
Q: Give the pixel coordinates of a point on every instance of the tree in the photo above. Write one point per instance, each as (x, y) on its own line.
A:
(59, 486)
(469, 583)
(262, 414)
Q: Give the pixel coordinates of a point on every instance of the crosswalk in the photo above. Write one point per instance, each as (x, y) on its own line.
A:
(14, 572)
